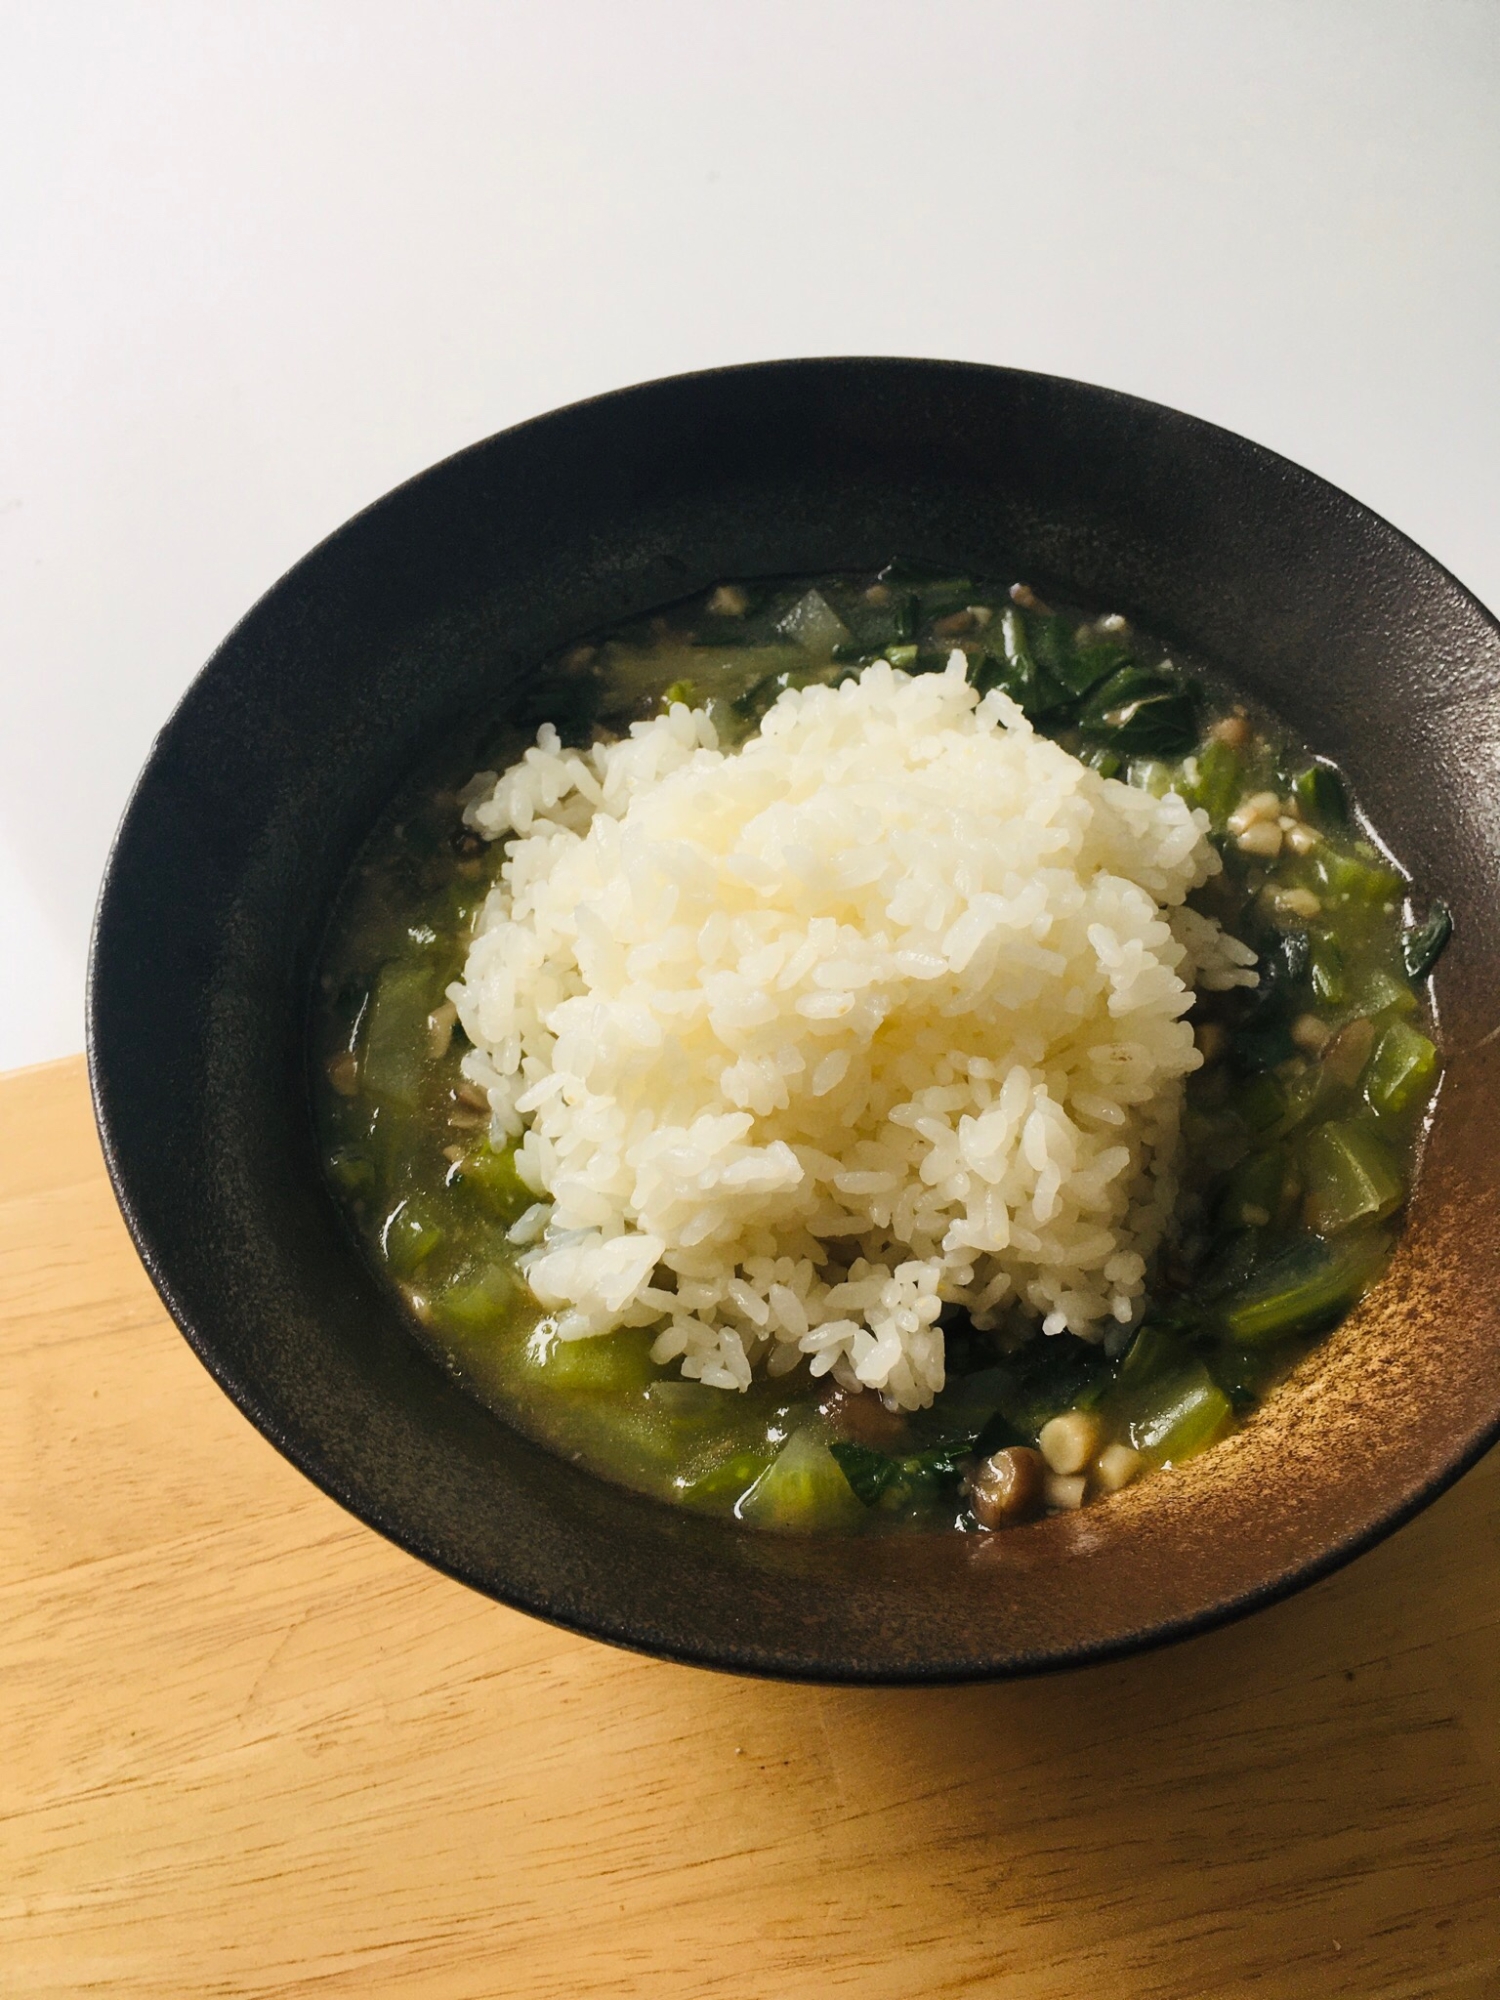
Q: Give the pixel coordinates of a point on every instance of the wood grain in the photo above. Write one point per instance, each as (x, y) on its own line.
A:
(247, 1748)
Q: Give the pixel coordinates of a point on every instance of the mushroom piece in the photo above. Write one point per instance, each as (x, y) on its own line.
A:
(1068, 1442)
(860, 1416)
(1261, 837)
(1347, 1053)
(1007, 1487)
(1212, 1039)
(1065, 1492)
(1233, 730)
(343, 1073)
(1309, 1033)
(1116, 1466)
(440, 1025)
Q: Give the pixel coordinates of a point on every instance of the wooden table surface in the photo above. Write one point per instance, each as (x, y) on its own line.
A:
(246, 1747)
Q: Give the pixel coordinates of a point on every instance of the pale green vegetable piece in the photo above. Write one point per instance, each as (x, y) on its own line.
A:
(395, 1040)
(608, 1362)
(812, 622)
(803, 1487)
(1352, 1176)
(1400, 1072)
(1191, 1413)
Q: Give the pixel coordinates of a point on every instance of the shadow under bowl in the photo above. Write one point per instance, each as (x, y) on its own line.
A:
(440, 600)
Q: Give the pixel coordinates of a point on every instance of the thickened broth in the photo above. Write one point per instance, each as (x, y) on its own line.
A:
(1299, 1132)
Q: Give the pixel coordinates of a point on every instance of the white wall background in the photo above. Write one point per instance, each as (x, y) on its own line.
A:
(261, 259)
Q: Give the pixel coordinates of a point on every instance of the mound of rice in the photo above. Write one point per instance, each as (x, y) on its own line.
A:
(880, 1012)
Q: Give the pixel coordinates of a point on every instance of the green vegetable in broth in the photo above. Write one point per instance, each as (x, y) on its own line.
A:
(1422, 945)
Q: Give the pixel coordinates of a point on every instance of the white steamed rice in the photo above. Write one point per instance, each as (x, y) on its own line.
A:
(805, 1040)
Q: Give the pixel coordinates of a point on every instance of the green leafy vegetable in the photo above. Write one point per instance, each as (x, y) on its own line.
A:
(943, 1462)
(1052, 1373)
(913, 1476)
(1083, 666)
(868, 1472)
(1029, 685)
(999, 1434)
(1302, 1288)
(1422, 945)
(1319, 790)
(1143, 713)
(1072, 666)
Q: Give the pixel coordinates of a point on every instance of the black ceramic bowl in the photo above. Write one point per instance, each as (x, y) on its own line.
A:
(441, 599)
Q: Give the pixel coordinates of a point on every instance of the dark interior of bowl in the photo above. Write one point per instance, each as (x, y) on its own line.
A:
(440, 600)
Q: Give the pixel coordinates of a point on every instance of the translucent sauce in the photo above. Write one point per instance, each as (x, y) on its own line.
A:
(1301, 1131)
